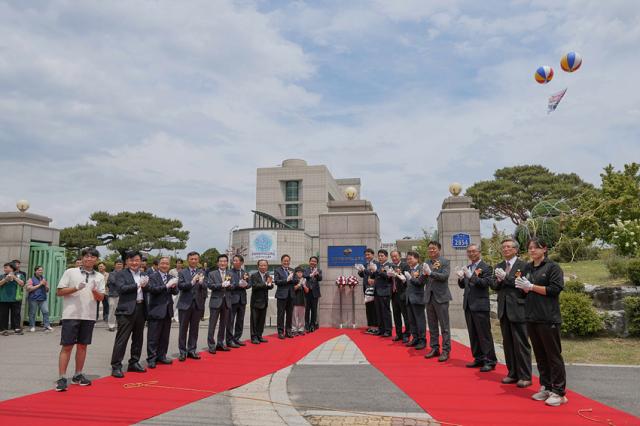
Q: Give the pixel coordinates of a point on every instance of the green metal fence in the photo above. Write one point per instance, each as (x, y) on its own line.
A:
(53, 260)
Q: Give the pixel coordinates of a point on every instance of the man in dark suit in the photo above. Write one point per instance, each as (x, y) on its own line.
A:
(313, 275)
(261, 283)
(240, 284)
(368, 282)
(162, 287)
(437, 297)
(475, 279)
(284, 278)
(382, 281)
(511, 312)
(131, 315)
(219, 281)
(398, 298)
(193, 294)
(414, 297)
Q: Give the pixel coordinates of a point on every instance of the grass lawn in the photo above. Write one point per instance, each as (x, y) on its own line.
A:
(591, 272)
(597, 350)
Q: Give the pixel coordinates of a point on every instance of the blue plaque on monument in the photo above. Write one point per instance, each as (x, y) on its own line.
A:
(345, 255)
(460, 241)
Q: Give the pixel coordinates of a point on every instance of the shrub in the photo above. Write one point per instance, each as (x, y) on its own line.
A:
(617, 266)
(570, 250)
(633, 271)
(632, 312)
(579, 317)
(574, 286)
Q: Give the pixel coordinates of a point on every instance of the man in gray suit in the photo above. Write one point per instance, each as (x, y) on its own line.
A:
(511, 302)
(219, 282)
(193, 294)
(414, 298)
(436, 298)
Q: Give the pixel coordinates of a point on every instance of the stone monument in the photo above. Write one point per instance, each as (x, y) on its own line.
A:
(458, 226)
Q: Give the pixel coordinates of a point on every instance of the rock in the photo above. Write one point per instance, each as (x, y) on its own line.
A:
(615, 323)
(610, 298)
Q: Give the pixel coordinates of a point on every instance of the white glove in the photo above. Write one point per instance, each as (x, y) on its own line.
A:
(243, 283)
(467, 272)
(523, 284)
(173, 273)
(403, 277)
(144, 281)
(500, 273)
(172, 282)
(391, 273)
(226, 284)
(426, 269)
(460, 273)
(81, 285)
(407, 275)
(290, 276)
(373, 267)
(359, 267)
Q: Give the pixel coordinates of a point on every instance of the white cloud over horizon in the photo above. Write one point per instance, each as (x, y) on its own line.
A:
(170, 107)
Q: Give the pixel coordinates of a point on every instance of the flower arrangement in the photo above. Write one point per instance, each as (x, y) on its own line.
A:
(341, 282)
(352, 281)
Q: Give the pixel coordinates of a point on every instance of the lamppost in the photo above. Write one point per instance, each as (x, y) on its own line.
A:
(229, 247)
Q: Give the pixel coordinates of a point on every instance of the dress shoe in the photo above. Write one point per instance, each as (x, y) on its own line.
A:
(421, 345)
(255, 341)
(182, 357)
(212, 351)
(239, 343)
(136, 368)
(280, 336)
(193, 355)
(232, 345)
(432, 353)
(262, 340)
(487, 367)
(387, 334)
(165, 361)
(405, 339)
(443, 357)
(302, 333)
(508, 380)
(150, 364)
(223, 348)
(523, 383)
(474, 364)
(289, 335)
(117, 373)
(413, 342)
(396, 338)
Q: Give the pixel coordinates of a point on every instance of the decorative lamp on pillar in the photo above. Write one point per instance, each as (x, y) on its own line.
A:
(22, 205)
(455, 189)
(351, 193)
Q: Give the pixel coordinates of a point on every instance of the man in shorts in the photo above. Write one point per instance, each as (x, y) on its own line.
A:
(80, 287)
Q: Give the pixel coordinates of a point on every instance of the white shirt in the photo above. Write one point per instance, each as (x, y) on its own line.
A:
(509, 263)
(136, 278)
(80, 305)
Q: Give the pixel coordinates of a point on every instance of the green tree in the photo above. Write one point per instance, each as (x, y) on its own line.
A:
(514, 191)
(126, 230)
(210, 256)
(491, 248)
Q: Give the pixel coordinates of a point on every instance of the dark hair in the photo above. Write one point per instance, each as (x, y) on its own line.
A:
(222, 256)
(131, 254)
(11, 265)
(156, 262)
(181, 261)
(434, 243)
(240, 257)
(101, 263)
(191, 253)
(314, 257)
(383, 251)
(89, 251)
(118, 261)
(413, 254)
(263, 260)
(14, 261)
(143, 258)
(37, 267)
(369, 251)
(283, 256)
(539, 243)
(298, 269)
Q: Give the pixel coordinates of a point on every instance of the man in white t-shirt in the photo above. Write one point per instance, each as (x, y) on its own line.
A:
(80, 288)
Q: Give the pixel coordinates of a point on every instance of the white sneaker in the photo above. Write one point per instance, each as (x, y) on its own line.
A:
(555, 400)
(48, 328)
(32, 329)
(541, 395)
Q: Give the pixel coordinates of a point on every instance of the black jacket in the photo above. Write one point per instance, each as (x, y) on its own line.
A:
(365, 275)
(476, 288)
(298, 294)
(511, 300)
(415, 286)
(128, 291)
(259, 291)
(111, 283)
(539, 308)
(382, 280)
(190, 292)
(285, 288)
(219, 294)
(313, 282)
(400, 286)
(160, 297)
(238, 294)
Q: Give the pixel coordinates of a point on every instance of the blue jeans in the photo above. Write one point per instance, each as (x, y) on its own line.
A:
(33, 308)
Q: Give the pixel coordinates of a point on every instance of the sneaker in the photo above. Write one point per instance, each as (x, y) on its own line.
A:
(61, 385)
(541, 395)
(48, 328)
(32, 329)
(556, 400)
(80, 379)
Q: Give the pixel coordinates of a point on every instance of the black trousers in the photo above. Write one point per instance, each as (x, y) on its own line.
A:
(438, 315)
(479, 327)
(372, 316)
(417, 320)
(222, 313)
(129, 326)
(158, 338)
(517, 351)
(257, 319)
(105, 309)
(383, 311)
(285, 308)
(189, 320)
(399, 305)
(10, 310)
(545, 339)
(311, 312)
(236, 322)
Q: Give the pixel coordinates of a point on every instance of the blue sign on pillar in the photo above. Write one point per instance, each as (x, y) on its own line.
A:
(460, 241)
(345, 255)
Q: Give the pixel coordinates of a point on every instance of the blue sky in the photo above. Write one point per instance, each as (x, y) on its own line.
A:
(169, 107)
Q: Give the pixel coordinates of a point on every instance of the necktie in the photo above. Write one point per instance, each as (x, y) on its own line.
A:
(193, 273)
(508, 268)
(164, 278)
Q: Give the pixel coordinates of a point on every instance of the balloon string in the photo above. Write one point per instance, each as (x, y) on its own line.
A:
(608, 422)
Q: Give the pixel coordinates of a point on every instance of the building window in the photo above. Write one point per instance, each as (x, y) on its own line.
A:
(292, 190)
(295, 223)
(292, 210)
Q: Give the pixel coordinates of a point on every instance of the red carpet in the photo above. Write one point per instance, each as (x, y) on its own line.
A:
(106, 401)
(454, 394)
